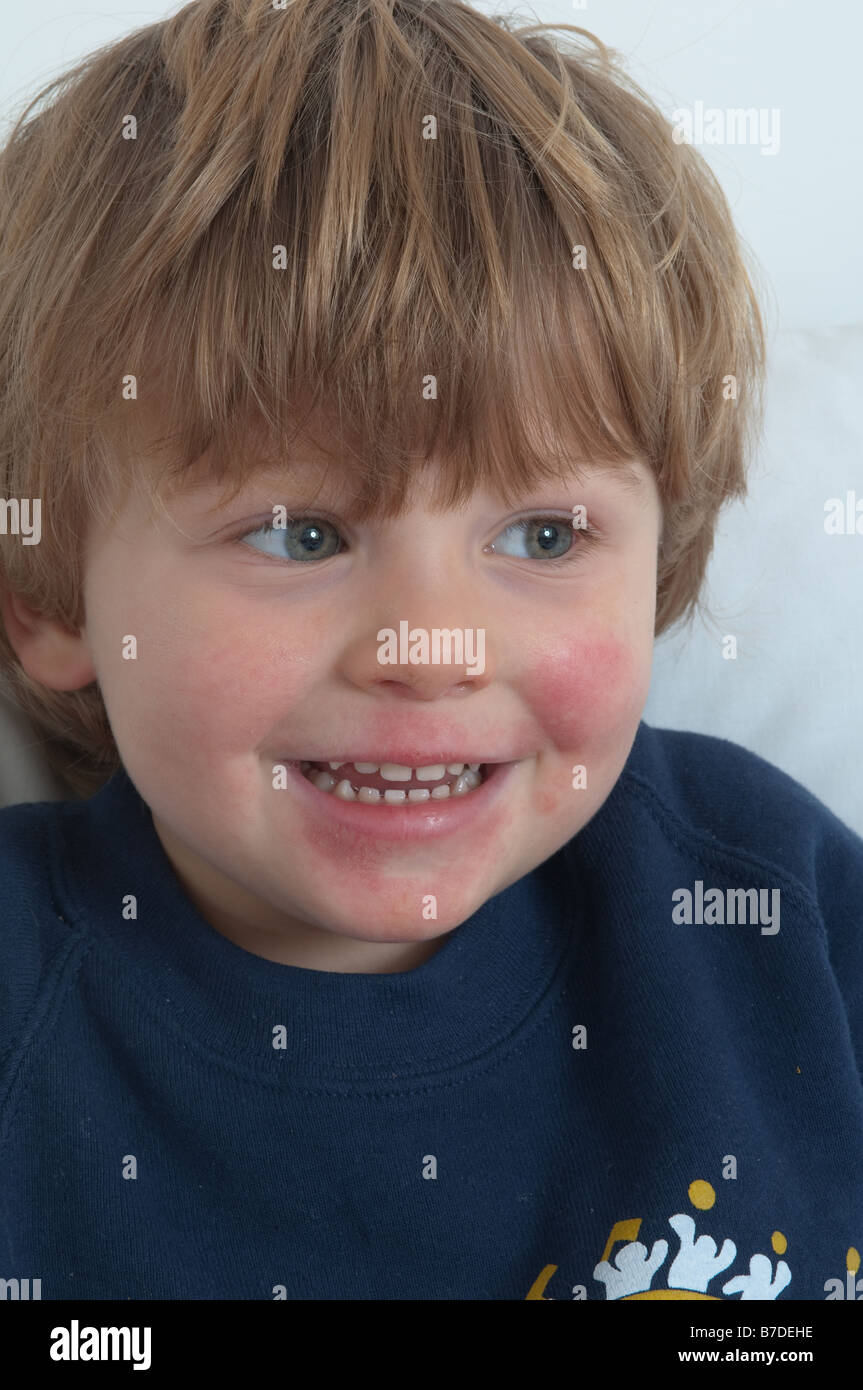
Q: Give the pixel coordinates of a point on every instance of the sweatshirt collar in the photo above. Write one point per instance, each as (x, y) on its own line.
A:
(487, 979)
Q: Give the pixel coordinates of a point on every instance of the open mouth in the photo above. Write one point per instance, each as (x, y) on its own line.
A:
(395, 784)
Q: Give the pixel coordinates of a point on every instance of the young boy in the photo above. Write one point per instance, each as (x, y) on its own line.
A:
(381, 370)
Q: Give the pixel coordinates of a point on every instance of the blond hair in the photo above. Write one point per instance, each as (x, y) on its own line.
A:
(430, 173)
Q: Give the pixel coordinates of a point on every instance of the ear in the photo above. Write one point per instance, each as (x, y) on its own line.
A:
(48, 651)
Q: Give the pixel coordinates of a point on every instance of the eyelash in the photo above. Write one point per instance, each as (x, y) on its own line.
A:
(589, 537)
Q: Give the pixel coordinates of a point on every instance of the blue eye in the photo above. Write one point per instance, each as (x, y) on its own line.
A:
(313, 537)
(552, 532)
(304, 537)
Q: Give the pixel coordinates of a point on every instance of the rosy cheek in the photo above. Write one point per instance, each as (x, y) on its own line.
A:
(584, 700)
(583, 690)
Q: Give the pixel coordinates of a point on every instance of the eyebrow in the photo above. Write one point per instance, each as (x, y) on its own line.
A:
(626, 474)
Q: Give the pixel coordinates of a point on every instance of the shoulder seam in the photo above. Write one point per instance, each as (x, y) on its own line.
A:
(43, 1011)
(61, 969)
(709, 848)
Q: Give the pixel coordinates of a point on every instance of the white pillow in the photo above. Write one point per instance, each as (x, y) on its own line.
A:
(790, 592)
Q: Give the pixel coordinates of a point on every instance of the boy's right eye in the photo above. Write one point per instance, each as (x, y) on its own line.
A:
(303, 538)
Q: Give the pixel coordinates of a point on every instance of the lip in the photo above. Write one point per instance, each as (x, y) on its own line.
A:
(410, 759)
(424, 820)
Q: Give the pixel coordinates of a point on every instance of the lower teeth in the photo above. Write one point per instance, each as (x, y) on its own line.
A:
(344, 789)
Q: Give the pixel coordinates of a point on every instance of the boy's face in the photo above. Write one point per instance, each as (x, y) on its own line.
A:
(246, 660)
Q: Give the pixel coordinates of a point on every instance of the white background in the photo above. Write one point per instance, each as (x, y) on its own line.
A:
(799, 210)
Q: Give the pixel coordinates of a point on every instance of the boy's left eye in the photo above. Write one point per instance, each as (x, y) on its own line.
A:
(310, 538)
(551, 533)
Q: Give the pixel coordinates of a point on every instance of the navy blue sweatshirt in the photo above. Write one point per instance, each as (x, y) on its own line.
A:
(635, 1073)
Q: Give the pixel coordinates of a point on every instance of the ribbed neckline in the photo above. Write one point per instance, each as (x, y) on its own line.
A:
(485, 980)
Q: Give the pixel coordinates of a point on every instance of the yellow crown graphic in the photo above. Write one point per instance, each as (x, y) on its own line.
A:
(696, 1263)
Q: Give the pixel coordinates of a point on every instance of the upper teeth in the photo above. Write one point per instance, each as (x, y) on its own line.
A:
(399, 772)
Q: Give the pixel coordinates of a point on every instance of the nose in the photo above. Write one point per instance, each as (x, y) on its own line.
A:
(419, 632)
(410, 653)
(411, 661)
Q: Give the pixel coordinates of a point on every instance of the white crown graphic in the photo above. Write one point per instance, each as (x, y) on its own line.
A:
(693, 1267)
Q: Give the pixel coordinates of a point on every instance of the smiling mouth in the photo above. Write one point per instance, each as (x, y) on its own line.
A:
(394, 783)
